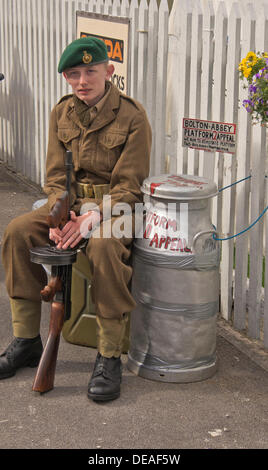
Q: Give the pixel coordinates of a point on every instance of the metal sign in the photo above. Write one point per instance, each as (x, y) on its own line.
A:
(114, 32)
(210, 136)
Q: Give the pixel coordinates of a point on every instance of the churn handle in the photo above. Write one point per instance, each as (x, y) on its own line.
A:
(199, 234)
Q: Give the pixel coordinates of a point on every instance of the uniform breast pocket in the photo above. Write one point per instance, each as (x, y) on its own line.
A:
(66, 136)
(110, 146)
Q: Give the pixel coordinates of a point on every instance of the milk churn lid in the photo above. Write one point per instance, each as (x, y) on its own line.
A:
(183, 187)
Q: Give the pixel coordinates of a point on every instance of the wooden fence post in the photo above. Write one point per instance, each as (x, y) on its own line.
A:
(228, 207)
(243, 190)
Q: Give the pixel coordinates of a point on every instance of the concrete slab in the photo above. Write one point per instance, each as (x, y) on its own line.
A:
(227, 411)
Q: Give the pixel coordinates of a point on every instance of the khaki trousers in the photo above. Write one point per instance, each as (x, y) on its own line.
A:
(109, 260)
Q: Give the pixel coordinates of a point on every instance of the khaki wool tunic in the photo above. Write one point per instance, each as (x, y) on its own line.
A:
(114, 149)
(111, 148)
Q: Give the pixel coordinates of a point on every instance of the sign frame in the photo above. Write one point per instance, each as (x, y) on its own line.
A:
(85, 19)
(205, 133)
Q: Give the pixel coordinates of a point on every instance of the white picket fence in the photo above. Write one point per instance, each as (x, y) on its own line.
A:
(183, 64)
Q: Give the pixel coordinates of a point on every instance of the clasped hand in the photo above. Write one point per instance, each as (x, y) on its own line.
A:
(75, 230)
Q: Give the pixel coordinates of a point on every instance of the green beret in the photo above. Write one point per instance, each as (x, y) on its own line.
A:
(83, 51)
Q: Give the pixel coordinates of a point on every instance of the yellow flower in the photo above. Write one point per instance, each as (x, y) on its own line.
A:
(246, 72)
(251, 58)
(242, 63)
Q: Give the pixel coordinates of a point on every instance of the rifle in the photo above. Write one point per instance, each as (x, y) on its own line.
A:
(58, 290)
(60, 213)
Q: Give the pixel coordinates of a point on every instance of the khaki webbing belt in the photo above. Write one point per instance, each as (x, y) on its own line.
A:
(91, 190)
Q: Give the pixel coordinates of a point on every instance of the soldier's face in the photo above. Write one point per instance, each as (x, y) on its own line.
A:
(88, 81)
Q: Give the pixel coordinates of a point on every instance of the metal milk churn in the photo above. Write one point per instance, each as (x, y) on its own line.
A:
(175, 282)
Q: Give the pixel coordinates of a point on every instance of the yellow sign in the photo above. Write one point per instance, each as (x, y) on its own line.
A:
(114, 32)
(115, 47)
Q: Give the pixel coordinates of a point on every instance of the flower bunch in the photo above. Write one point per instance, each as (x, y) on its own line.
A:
(254, 68)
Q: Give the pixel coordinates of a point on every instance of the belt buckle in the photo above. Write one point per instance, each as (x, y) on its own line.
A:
(100, 190)
(88, 191)
(84, 190)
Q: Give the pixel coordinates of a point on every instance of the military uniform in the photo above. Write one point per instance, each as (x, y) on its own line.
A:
(111, 147)
(110, 139)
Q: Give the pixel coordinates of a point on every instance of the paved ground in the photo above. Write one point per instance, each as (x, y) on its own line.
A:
(227, 411)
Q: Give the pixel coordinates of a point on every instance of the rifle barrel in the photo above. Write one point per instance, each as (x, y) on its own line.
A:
(69, 168)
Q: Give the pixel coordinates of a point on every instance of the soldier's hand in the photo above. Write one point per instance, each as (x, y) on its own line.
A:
(77, 228)
(55, 235)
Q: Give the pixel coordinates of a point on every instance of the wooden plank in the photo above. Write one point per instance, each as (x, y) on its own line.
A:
(184, 79)
(5, 83)
(52, 56)
(265, 319)
(12, 85)
(46, 77)
(10, 128)
(257, 200)
(65, 39)
(116, 8)
(71, 21)
(172, 98)
(134, 41)
(161, 88)
(125, 8)
(71, 27)
(20, 136)
(24, 92)
(82, 5)
(13, 119)
(243, 189)
(195, 84)
(100, 6)
(41, 109)
(218, 102)
(207, 159)
(91, 6)
(18, 139)
(31, 173)
(9, 74)
(35, 58)
(58, 46)
(107, 10)
(187, 24)
(150, 96)
(228, 206)
(142, 51)
(2, 85)
(151, 65)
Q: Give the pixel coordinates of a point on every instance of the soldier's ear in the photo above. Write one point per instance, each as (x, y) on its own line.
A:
(109, 71)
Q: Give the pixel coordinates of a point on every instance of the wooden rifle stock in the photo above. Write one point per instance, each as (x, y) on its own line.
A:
(59, 214)
(58, 290)
(44, 379)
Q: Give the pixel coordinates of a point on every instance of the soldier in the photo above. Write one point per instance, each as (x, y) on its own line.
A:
(110, 137)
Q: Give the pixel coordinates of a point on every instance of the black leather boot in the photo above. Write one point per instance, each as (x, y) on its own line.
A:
(20, 353)
(106, 378)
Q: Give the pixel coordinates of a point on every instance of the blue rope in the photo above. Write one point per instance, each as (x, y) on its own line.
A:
(239, 181)
(243, 231)
(251, 225)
